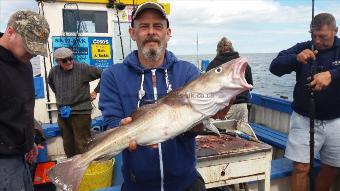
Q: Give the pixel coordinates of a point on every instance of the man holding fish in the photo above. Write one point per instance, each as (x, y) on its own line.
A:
(165, 99)
(149, 74)
(154, 72)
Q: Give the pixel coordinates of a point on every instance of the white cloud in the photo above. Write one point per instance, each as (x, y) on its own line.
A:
(230, 11)
(8, 7)
(253, 25)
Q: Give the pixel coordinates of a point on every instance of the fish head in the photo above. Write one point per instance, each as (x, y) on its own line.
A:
(214, 90)
(230, 75)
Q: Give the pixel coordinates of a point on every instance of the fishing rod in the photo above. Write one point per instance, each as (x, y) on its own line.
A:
(40, 3)
(120, 34)
(119, 7)
(311, 112)
(197, 58)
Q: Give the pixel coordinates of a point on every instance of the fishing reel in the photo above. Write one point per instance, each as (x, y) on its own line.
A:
(317, 68)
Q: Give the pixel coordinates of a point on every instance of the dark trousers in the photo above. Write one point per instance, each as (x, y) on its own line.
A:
(15, 174)
(75, 132)
(197, 185)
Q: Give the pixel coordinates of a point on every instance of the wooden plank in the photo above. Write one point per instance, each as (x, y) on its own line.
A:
(232, 170)
(235, 181)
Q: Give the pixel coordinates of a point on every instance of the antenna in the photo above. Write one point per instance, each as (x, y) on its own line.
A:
(197, 58)
(311, 115)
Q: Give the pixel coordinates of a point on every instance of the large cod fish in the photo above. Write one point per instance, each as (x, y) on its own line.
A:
(172, 115)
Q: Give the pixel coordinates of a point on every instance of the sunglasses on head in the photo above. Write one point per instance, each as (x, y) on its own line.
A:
(64, 60)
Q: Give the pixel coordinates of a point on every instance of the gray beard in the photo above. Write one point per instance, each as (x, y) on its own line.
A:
(152, 54)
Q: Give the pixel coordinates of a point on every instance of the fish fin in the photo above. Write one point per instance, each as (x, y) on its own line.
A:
(142, 110)
(98, 137)
(209, 125)
(226, 124)
(68, 174)
(245, 128)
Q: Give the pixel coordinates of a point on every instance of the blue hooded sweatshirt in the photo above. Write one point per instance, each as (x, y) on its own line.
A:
(119, 89)
(327, 101)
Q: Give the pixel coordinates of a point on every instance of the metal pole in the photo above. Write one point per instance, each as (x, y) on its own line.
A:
(198, 62)
(120, 34)
(311, 141)
(45, 68)
(311, 116)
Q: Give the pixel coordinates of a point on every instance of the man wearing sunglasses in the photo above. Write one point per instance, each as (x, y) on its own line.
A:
(70, 83)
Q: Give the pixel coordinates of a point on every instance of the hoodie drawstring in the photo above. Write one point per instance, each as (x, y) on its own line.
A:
(141, 94)
(154, 85)
(168, 84)
(141, 91)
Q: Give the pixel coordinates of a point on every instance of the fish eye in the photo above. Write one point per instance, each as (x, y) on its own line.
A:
(218, 70)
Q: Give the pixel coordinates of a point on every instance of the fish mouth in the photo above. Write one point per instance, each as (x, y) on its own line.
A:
(241, 69)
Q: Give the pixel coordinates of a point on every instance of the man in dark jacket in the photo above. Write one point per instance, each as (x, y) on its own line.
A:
(225, 53)
(70, 83)
(25, 37)
(326, 86)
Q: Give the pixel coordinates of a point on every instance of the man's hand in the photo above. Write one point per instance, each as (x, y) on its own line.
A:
(125, 121)
(132, 144)
(306, 55)
(93, 96)
(31, 156)
(320, 81)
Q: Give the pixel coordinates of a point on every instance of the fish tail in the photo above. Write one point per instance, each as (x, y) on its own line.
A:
(68, 174)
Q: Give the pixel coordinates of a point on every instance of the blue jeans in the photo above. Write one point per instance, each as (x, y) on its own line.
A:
(15, 174)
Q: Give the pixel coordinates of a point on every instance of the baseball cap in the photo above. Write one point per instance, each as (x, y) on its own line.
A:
(149, 5)
(34, 30)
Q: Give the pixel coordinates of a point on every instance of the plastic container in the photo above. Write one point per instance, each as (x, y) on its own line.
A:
(40, 176)
(42, 155)
(204, 65)
(98, 175)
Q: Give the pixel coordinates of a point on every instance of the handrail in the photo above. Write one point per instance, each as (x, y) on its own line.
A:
(272, 103)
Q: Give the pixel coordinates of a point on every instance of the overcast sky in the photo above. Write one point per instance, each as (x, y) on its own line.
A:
(254, 26)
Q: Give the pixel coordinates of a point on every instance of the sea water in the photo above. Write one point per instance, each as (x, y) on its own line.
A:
(265, 83)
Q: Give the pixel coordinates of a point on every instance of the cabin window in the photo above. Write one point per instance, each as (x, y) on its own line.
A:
(81, 21)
